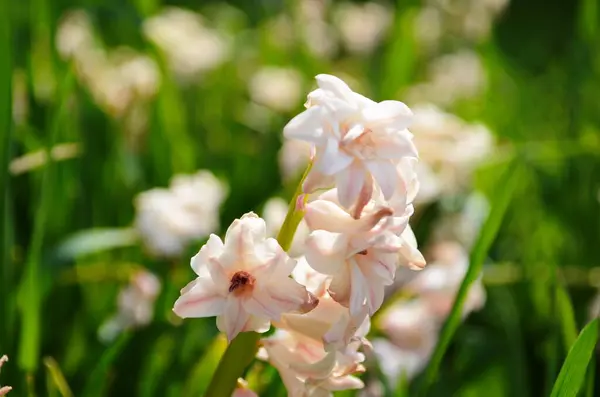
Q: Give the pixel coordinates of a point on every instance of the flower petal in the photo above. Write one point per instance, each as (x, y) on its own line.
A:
(359, 287)
(325, 215)
(316, 180)
(307, 126)
(233, 319)
(241, 238)
(332, 160)
(212, 248)
(335, 86)
(200, 299)
(386, 175)
(349, 183)
(388, 113)
(325, 251)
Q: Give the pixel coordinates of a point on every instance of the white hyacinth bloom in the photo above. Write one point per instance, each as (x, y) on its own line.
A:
(169, 219)
(358, 141)
(244, 281)
(277, 88)
(361, 252)
(362, 27)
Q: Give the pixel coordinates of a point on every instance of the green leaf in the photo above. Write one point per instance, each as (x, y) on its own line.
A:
(57, 377)
(91, 241)
(96, 384)
(574, 368)
(504, 192)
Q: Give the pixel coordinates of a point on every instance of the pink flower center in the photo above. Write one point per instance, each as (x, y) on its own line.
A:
(241, 283)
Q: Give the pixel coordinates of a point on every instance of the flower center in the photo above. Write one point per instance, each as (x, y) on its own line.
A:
(241, 283)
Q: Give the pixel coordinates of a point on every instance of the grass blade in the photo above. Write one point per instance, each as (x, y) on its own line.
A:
(96, 384)
(57, 377)
(505, 189)
(6, 128)
(573, 371)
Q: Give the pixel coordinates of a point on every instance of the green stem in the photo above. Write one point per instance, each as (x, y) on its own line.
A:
(243, 348)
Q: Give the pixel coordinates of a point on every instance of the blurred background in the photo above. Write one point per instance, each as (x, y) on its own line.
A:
(132, 130)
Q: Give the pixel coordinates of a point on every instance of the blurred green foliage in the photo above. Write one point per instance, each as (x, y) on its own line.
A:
(543, 68)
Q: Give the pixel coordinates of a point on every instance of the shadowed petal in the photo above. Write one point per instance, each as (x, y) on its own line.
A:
(200, 298)
(386, 175)
(306, 126)
(349, 183)
(233, 319)
(325, 251)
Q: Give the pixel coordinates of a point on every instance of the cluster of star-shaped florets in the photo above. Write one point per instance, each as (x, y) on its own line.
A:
(358, 197)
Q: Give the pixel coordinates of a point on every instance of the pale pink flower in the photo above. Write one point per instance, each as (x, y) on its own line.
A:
(330, 322)
(357, 140)
(438, 284)
(306, 369)
(4, 389)
(360, 252)
(135, 305)
(244, 281)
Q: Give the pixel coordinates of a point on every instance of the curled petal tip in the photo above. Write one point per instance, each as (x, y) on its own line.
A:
(309, 304)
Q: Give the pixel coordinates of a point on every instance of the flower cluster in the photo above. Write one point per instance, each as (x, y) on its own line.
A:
(357, 202)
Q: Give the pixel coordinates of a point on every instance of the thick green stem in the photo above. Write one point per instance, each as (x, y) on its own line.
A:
(243, 348)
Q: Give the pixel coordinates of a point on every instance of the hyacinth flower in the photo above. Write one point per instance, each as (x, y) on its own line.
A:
(321, 303)
(244, 281)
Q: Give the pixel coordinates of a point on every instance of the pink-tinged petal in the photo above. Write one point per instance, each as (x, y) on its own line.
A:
(410, 256)
(307, 126)
(233, 319)
(212, 249)
(332, 159)
(359, 289)
(384, 172)
(340, 287)
(241, 238)
(325, 215)
(257, 324)
(395, 145)
(335, 86)
(289, 296)
(202, 299)
(320, 369)
(325, 251)
(260, 304)
(349, 183)
(408, 174)
(316, 180)
(243, 392)
(344, 383)
(388, 113)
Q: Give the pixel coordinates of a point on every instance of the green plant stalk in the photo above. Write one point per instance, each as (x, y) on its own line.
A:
(504, 193)
(5, 147)
(243, 348)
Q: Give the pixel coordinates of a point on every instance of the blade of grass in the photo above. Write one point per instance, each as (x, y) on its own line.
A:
(96, 384)
(573, 371)
(30, 293)
(6, 129)
(500, 202)
(57, 377)
(566, 317)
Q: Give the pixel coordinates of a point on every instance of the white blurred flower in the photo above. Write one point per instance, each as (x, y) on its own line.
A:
(274, 213)
(357, 140)
(362, 27)
(439, 282)
(135, 306)
(451, 77)
(244, 281)
(306, 369)
(412, 335)
(4, 389)
(294, 156)
(188, 44)
(169, 219)
(75, 34)
(449, 149)
(277, 88)
(319, 37)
